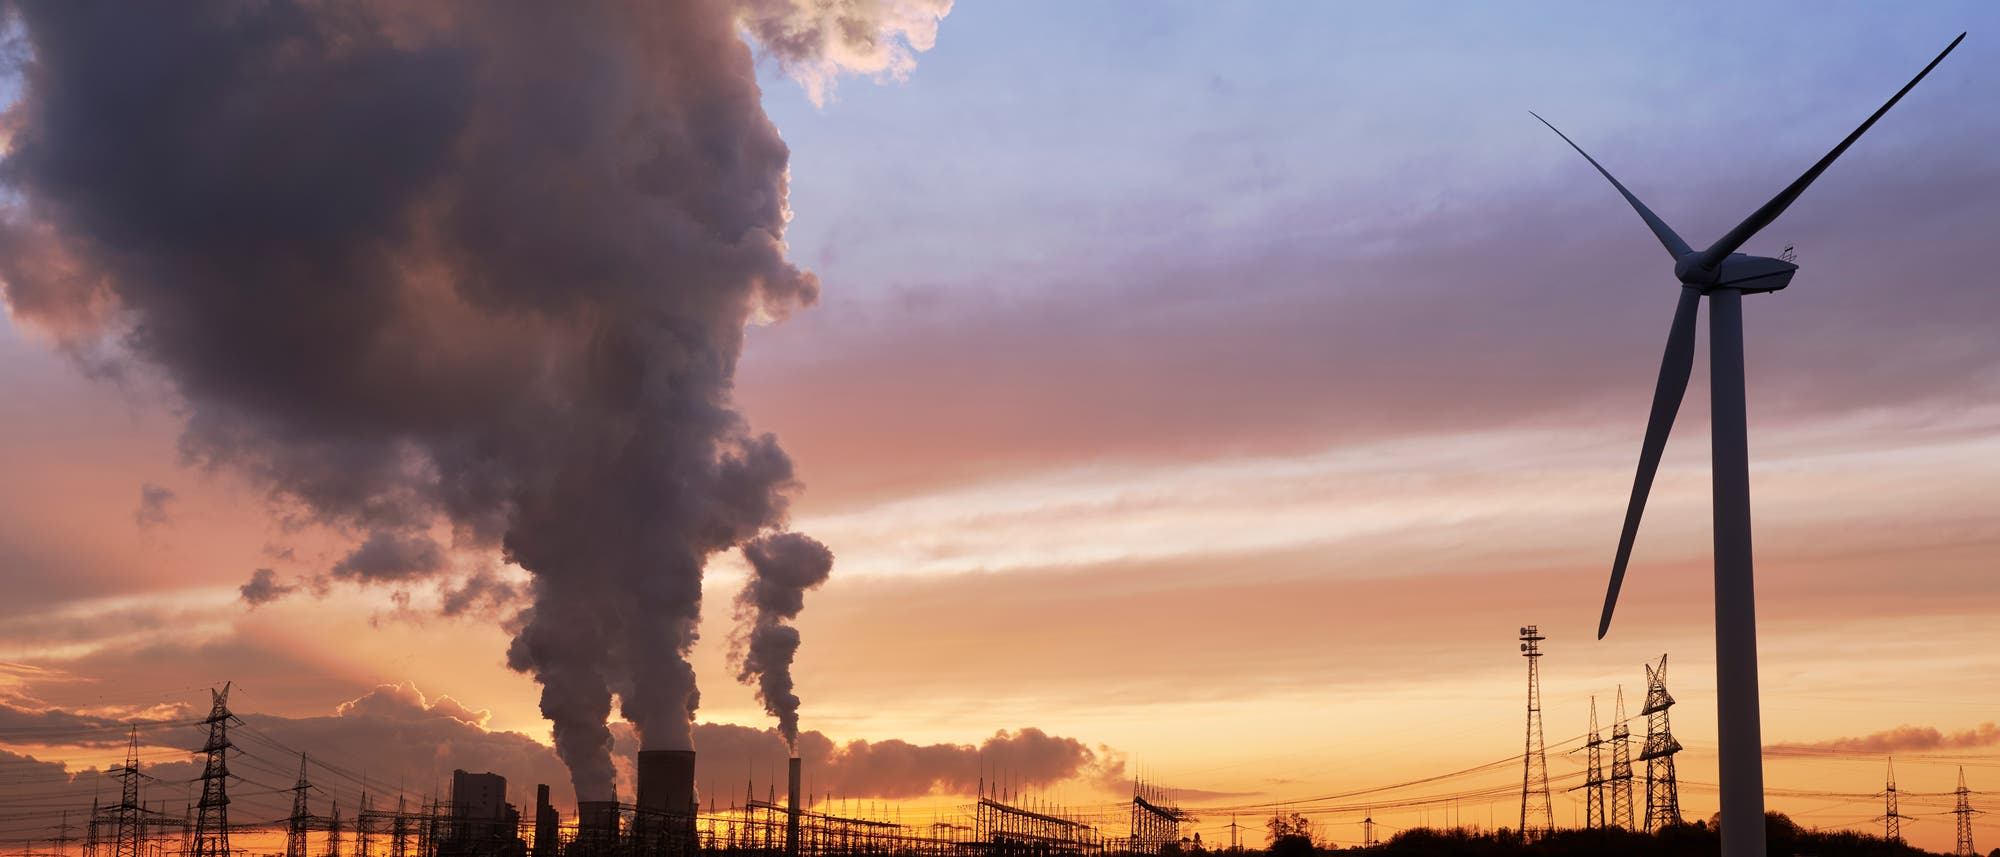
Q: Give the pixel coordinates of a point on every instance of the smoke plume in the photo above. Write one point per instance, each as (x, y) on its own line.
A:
(152, 511)
(782, 567)
(452, 278)
(1027, 759)
(1904, 739)
(264, 588)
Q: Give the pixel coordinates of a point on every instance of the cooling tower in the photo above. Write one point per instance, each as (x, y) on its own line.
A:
(597, 822)
(666, 781)
(666, 801)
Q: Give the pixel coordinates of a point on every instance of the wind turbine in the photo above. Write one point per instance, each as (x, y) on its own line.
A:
(1724, 276)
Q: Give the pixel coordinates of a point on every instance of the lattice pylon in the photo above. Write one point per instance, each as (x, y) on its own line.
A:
(1892, 815)
(333, 832)
(211, 825)
(1663, 796)
(295, 828)
(1593, 783)
(1964, 813)
(131, 812)
(1621, 767)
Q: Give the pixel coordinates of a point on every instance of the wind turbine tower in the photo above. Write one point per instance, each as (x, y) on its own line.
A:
(1724, 276)
(1536, 818)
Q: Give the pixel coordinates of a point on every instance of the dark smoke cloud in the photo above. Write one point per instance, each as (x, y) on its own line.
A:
(894, 769)
(484, 589)
(264, 588)
(153, 500)
(391, 556)
(1908, 738)
(472, 268)
(782, 567)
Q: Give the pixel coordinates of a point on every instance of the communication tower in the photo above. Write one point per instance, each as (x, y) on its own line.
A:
(1536, 818)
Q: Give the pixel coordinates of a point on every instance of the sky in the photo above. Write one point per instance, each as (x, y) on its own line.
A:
(1214, 389)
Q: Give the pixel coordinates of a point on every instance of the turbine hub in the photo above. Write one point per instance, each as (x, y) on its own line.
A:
(1689, 271)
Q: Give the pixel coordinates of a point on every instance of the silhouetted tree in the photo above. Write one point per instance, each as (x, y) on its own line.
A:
(1290, 835)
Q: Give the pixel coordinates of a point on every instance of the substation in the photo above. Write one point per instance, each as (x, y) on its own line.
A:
(1627, 781)
(664, 819)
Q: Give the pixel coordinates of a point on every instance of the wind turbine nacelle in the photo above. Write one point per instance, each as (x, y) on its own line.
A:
(1753, 274)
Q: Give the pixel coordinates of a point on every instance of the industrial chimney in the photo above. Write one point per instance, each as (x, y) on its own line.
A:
(792, 810)
(546, 820)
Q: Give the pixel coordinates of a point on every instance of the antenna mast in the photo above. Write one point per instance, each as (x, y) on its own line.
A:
(1536, 819)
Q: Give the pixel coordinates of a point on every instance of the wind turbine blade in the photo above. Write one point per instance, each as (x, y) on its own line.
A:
(1714, 255)
(1674, 370)
(1675, 246)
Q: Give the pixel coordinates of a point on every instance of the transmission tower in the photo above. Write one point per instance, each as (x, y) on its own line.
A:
(361, 829)
(295, 830)
(90, 833)
(333, 832)
(1892, 816)
(1621, 767)
(1536, 818)
(399, 830)
(64, 829)
(131, 813)
(211, 826)
(1593, 781)
(1663, 794)
(1965, 812)
(1368, 839)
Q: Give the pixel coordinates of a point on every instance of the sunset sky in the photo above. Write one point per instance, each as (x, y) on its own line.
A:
(1219, 386)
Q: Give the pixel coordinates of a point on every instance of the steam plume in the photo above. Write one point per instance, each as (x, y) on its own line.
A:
(816, 40)
(782, 567)
(451, 278)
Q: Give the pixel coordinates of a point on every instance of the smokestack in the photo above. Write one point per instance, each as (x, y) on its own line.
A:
(792, 809)
(546, 820)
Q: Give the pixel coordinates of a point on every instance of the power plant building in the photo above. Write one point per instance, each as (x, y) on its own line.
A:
(483, 823)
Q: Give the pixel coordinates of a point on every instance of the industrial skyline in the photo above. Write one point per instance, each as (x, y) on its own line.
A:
(1187, 393)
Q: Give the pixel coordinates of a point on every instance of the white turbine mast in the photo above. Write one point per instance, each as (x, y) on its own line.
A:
(1724, 276)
